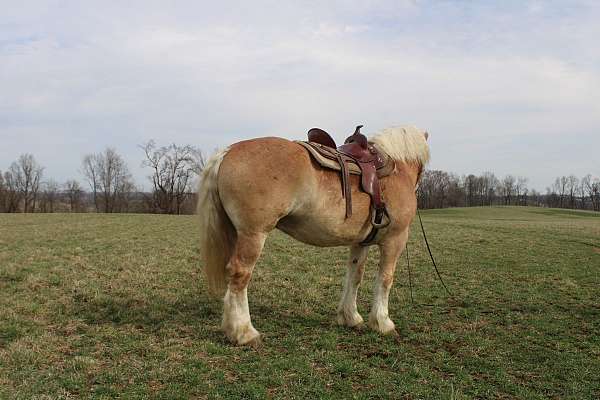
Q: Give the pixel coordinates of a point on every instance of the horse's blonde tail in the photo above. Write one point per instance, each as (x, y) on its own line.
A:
(217, 233)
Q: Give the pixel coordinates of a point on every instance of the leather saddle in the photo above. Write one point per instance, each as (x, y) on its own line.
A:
(371, 163)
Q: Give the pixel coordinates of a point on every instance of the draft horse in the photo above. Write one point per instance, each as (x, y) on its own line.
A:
(257, 185)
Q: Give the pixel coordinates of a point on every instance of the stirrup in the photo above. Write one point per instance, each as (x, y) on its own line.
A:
(384, 221)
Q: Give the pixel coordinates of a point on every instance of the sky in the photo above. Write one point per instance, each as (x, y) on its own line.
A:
(511, 87)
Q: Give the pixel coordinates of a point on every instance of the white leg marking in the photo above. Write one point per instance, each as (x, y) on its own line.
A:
(236, 318)
(379, 319)
(347, 312)
(390, 251)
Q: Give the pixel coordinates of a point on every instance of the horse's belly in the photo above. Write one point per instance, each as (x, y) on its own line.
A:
(319, 214)
(326, 228)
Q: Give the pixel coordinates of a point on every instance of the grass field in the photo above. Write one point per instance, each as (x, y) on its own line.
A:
(100, 306)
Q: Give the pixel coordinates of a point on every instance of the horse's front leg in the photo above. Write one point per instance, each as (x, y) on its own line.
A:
(347, 313)
(390, 251)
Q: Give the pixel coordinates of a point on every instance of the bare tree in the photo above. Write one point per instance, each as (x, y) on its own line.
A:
(91, 169)
(582, 190)
(488, 187)
(3, 194)
(596, 194)
(49, 196)
(74, 193)
(109, 179)
(173, 171)
(593, 190)
(560, 185)
(521, 190)
(26, 173)
(551, 198)
(571, 188)
(433, 189)
(535, 198)
(12, 196)
(507, 188)
(471, 183)
(124, 197)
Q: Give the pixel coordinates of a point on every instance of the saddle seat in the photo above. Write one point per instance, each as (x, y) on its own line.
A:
(356, 156)
(356, 145)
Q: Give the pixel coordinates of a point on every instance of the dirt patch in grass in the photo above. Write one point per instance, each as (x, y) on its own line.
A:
(596, 250)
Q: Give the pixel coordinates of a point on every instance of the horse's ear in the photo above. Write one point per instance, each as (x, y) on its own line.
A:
(426, 134)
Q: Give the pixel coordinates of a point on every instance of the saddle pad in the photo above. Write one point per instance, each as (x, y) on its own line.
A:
(326, 157)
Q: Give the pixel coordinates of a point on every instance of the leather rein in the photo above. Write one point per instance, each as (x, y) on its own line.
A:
(428, 250)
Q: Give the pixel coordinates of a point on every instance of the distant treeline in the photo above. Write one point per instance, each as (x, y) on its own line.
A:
(109, 187)
(440, 189)
(173, 171)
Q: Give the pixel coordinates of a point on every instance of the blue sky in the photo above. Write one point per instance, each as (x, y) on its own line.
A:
(510, 87)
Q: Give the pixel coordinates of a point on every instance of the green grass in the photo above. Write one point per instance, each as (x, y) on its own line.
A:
(100, 306)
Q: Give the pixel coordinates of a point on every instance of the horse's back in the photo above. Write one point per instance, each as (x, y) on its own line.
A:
(267, 153)
(260, 163)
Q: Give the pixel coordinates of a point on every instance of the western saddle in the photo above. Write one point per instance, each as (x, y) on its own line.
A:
(356, 156)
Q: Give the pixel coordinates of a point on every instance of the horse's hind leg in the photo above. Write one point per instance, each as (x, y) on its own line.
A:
(347, 313)
(390, 251)
(236, 314)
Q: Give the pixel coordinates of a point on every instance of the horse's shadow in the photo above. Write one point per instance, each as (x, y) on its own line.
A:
(197, 316)
(150, 313)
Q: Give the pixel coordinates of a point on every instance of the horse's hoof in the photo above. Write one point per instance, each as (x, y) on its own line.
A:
(385, 327)
(244, 336)
(255, 343)
(352, 322)
(393, 333)
(359, 327)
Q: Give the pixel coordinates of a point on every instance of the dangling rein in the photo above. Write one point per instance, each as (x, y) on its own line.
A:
(430, 256)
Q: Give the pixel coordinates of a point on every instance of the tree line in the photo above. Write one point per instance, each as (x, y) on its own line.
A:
(108, 186)
(440, 189)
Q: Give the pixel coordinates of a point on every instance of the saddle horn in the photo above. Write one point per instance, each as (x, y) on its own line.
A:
(358, 138)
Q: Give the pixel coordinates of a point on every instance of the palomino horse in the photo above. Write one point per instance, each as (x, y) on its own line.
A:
(257, 185)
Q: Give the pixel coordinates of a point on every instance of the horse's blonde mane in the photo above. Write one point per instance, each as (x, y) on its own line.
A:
(403, 143)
